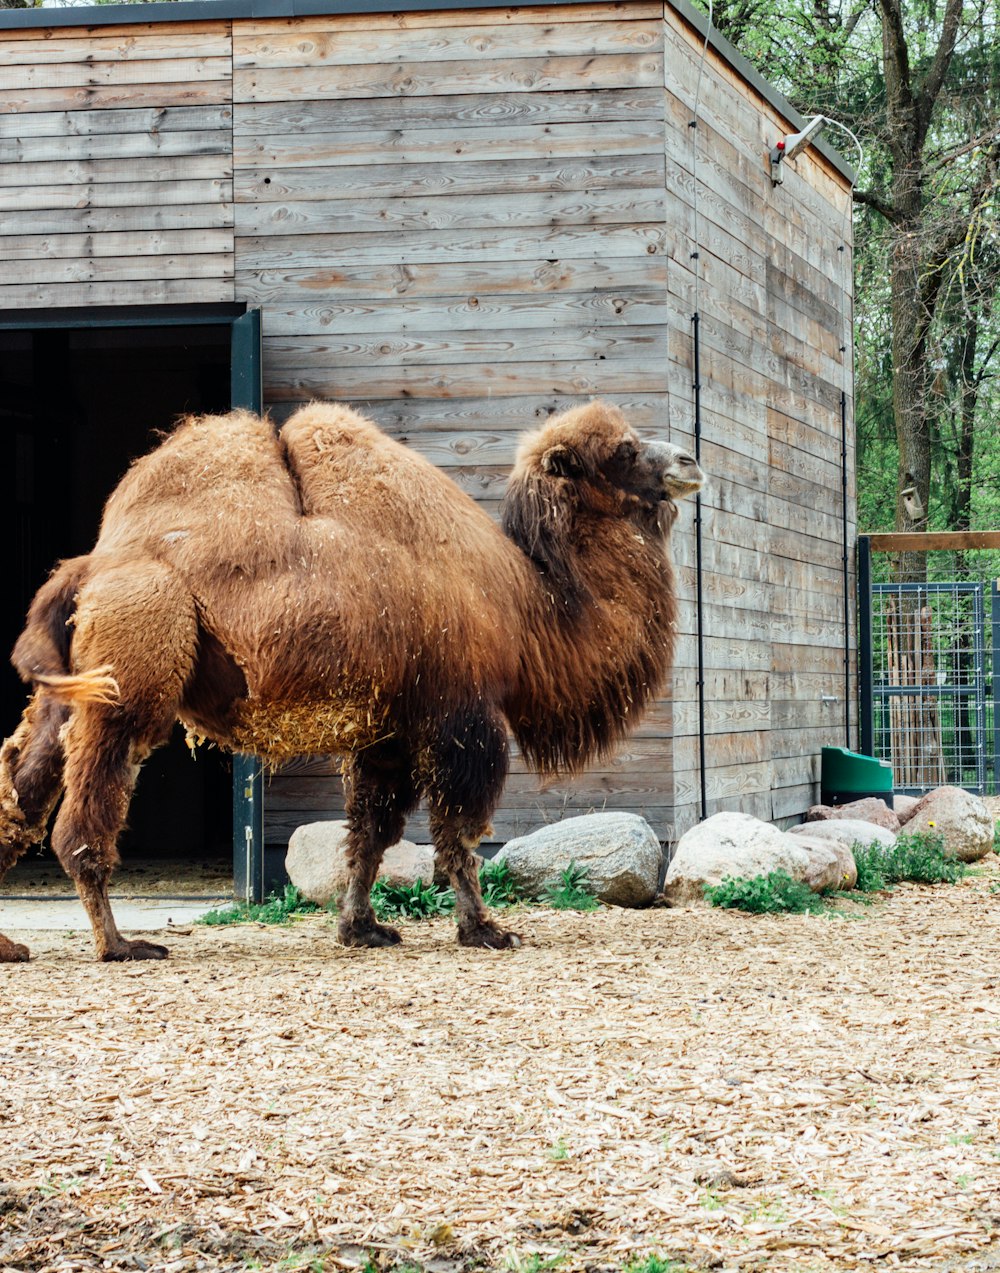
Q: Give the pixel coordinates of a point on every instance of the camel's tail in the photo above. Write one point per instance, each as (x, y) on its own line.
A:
(98, 686)
(41, 655)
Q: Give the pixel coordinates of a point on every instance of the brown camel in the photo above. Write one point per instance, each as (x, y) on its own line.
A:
(323, 590)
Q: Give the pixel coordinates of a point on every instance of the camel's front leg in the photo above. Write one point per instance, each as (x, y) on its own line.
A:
(465, 783)
(380, 791)
(455, 842)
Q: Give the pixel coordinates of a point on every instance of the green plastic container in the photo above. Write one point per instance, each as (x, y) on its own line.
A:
(847, 775)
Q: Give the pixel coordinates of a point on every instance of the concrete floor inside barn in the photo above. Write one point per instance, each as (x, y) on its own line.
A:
(149, 894)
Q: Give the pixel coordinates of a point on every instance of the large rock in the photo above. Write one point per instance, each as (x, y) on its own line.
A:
(903, 806)
(620, 851)
(317, 865)
(867, 810)
(962, 818)
(736, 844)
(846, 830)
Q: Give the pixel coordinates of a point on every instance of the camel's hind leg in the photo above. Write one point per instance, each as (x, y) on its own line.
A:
(380, 791)
(141, 623)
(31, 766)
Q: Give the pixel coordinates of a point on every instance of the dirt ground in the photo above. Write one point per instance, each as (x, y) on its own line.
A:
(794, 1094)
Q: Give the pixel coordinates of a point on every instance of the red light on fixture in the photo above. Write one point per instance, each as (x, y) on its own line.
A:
(779, 145)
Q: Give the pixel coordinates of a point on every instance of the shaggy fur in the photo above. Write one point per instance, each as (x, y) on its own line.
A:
(325, 590)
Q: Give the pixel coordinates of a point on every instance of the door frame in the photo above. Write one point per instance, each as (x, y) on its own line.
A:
(246, 391)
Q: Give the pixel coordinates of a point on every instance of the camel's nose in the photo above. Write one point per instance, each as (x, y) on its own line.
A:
(681, 473)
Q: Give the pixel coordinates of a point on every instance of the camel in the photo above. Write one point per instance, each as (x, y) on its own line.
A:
(323, 590)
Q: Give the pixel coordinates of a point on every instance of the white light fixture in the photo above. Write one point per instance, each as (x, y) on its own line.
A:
(793, 145)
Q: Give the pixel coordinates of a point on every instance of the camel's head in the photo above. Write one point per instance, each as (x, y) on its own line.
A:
(589, 461)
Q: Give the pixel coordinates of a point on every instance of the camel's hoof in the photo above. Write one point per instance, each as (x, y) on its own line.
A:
(12, 952)
(370, 934)
(489, 936)
(137, 949)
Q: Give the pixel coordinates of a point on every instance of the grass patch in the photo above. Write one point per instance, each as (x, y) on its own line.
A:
(498, 886)
(773, 894)
(572, 892)
(410, 901)
(654, 1264)
(920, 858)
(278, 909)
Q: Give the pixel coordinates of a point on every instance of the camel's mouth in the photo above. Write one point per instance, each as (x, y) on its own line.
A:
(683, 478)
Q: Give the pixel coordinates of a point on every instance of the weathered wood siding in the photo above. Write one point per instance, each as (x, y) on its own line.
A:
(115, 165)
(774, 299)
(463, 221)
(457, 220)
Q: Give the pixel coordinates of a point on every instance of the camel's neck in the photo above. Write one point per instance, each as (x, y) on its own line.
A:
(594, 654)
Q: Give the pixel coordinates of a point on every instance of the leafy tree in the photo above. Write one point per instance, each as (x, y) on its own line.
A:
(919, 83)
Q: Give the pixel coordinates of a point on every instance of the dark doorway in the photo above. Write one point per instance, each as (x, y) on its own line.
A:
(77, 404)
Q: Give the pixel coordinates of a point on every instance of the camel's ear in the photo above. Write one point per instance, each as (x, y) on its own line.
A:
(562, 461)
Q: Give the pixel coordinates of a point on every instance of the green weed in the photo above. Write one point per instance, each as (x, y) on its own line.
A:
(412, 901)
(996, 837)
(654, 1264)
(533, 1263)
(276, 910)
(559, 1151)
(497, 885)
(573, 892)
(920, 857)
(773, 894)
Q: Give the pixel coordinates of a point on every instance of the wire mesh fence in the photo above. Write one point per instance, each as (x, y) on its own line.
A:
(931, 681)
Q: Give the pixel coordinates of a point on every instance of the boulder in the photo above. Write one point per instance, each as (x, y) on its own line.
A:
(317, 865)
(738, 845)
(903, 806)
(868, 810)
(847, 830)
(620, 851)
(962, 818)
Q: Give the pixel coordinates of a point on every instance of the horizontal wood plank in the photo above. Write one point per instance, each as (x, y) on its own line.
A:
(500, 142)
(186, 291)
(447, 79)
(337, 46)
(114, 126)
(383, 181)
(935, 541)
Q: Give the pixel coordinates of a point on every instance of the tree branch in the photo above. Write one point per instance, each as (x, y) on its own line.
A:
(928, 93)
(872, 200)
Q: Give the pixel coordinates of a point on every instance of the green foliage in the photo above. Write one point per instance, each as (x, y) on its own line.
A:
(920, 858)
(410, 901)
(871, 864)
(996, 838)
(653, 1264)
(276, 910)
(498, 886)
(573, 892)
(773, 894)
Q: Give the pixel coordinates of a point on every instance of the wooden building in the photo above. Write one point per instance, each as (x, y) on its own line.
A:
(459, 217)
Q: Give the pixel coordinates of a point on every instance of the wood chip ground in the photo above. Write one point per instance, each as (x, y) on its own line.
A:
(795, 1094)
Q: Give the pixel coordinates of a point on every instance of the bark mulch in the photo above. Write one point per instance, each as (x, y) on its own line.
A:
(793, 1093)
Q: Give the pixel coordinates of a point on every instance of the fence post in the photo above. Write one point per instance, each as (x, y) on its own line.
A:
(866, 704)
(995, 677)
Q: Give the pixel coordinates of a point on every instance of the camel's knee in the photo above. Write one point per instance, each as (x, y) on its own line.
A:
(100, 774)
(31, 768)
(468, 769)
(380, 789)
